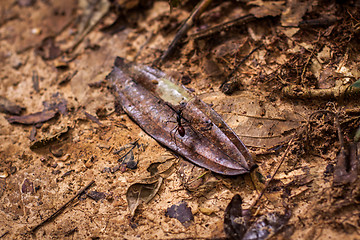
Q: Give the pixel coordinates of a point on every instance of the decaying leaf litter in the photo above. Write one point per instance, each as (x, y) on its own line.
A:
(305, 60)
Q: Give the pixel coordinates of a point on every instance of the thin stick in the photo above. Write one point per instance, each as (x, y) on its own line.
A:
(198, 10)
(272, 177)
(340, 135)
(150, 38)
(4, 234)
(60, 210)
(242, 61)
(131, 148)
(223, 27)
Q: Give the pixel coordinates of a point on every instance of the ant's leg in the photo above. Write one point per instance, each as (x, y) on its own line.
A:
(170, 120)
(173, 135)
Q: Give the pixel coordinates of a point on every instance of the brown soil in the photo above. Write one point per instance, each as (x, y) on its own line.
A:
(39, 173)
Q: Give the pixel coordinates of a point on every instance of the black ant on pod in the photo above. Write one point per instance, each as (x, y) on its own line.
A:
(179, 128)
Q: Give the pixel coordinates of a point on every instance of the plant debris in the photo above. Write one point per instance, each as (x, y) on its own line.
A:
(238, 225)
(96, 195)
(347, 166)
(48, 50)
(27, 187)
(93, 118)
(140, 193)
(62, 208)
(181, 212)
(267, 226)
(235, 225)
(33, 118)
(6, 106)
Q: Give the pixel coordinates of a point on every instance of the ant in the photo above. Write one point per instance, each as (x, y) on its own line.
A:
(179, 127)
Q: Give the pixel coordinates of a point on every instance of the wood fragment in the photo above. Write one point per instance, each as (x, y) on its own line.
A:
(347, 165)
(61, 209)
(71, 232)
(33, 132)
(324, 21)
(93, 118)
(337, 92)
(346, 169)
(35, 80)
(353, 111)
(68, 78)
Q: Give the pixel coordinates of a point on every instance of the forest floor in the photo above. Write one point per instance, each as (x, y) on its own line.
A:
(296, 61)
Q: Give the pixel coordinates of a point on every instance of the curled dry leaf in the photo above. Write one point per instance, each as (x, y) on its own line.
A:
(140, 193)
(177, 119)
(164, 167)
(44, 141)
(198, 181)
(143, 191)
(234, 223)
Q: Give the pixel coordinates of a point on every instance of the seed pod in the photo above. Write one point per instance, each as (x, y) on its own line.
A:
(152, 99)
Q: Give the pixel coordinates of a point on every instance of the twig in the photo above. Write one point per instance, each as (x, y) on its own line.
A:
(243, 60)
(134, 144)
(272, 177)
(4, 234)
(35, 80)
(60, 210)
(352, 111)
(336, 124)
(150, 38)
(340, 135)
(228, 86)
(198, 10)
(306, 65)
(223, 27)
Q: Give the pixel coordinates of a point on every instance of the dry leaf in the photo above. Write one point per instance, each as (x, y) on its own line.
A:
(140, 193)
